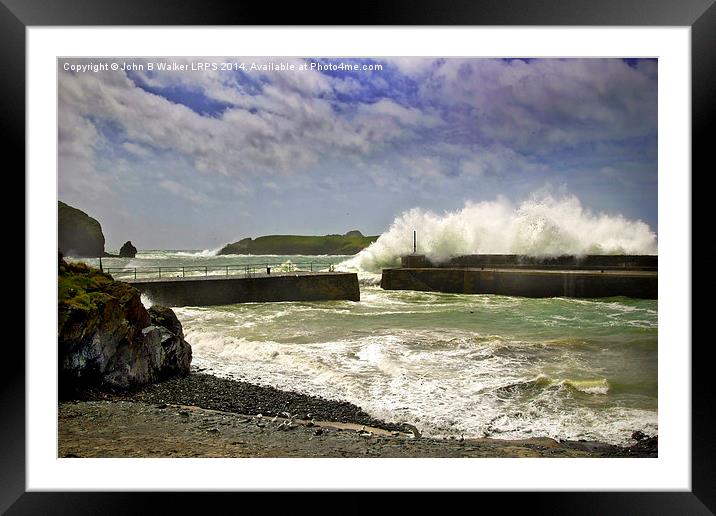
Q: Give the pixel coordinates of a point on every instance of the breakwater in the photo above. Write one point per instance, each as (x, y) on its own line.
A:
(513, 275)
(642, 262)
(256, 288)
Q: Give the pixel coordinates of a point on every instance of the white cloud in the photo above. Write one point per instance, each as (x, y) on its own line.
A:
(410, 117)
(413, 66)
(77, 138)
(498, 161)
(454, 121)
(424, 167)
(291, 125)
(137, 150)
(183, 192)
(547, 102)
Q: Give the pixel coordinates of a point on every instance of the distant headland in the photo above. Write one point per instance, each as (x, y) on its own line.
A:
(351, 243)
(81, 235)
(78, 234)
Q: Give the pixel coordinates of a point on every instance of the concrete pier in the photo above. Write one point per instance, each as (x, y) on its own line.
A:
(618, 262)
(512, 275)
(258, 288)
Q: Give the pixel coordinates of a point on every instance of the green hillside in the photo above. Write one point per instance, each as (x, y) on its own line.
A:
(350, 243)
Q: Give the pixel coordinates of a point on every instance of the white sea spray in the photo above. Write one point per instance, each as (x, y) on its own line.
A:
(543, 225)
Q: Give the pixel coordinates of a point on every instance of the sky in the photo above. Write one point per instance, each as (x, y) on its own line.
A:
(213, 150)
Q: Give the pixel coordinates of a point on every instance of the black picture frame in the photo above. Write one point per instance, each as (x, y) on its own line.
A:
(17, 15)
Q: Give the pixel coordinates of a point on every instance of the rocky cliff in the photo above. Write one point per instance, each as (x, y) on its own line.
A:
(108, 339)
(78, 233)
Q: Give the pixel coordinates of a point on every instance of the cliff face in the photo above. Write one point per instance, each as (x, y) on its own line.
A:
(107, 339)
(78, 233)
(350, 243)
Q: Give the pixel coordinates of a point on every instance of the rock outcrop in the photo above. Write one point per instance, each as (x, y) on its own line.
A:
(78, 233)
(128, 250)
(108, 340)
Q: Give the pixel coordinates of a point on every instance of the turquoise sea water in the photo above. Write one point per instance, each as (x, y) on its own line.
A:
(472, 365)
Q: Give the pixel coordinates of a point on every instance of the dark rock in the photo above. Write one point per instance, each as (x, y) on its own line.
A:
(412, 429)
(78, 233)
(108, 340)
(639, 435)
(128, 250)
(215, 393)
(648, 446)
(163, 316)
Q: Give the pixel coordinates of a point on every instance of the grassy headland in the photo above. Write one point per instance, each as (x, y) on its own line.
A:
(83, 288)
(350, 243)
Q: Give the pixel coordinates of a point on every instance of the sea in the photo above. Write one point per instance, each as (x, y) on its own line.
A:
(453, 365)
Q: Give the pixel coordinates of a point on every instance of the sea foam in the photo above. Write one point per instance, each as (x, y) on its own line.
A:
(542, 225)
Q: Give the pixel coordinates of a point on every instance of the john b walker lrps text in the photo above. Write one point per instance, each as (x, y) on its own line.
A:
(200, 66)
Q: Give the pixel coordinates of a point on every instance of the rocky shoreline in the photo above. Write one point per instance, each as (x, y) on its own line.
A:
(214, 393)
(201, 415)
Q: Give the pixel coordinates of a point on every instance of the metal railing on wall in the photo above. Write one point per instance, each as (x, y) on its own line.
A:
(194, 271)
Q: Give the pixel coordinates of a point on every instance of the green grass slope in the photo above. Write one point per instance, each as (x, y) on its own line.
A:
(350, 243)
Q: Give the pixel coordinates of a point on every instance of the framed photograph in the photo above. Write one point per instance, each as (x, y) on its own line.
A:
(423, 247)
